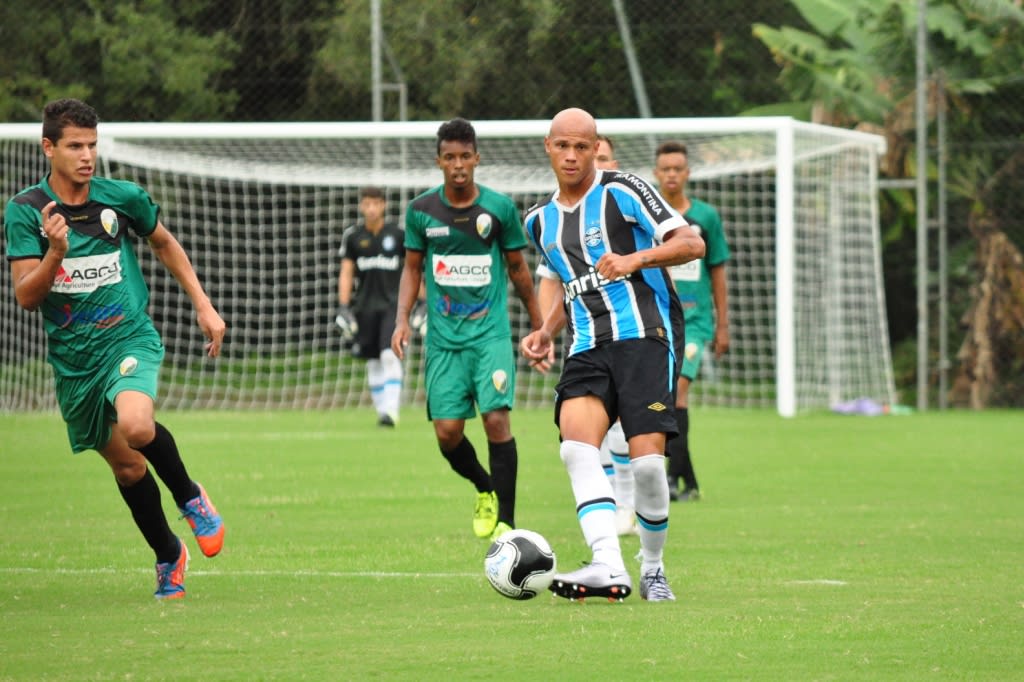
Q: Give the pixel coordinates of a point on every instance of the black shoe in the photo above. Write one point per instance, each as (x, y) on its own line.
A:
(689, 495)
(673, 488)
(386, 420)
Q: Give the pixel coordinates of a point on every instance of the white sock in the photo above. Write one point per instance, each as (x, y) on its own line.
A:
(623, 473)
(608, 466)
(375, 377)
(595, 505)
(651, 509)
(392, 371)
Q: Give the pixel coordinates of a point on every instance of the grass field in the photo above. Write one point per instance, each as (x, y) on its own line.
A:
(827, 548)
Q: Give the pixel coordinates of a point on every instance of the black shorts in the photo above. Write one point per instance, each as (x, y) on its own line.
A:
(632, 378)
(374, 336)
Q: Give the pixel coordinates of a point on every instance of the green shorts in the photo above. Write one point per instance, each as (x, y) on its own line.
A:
(484, 374)
(87, 402)
(693, 353)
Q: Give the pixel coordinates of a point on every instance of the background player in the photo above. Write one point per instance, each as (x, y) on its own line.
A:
(372, 255)
(463, 237)
(703, 292)
(72, 258)
(600, 234)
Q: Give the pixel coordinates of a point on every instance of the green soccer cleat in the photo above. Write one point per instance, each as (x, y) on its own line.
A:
(499, 529)
(485, 515)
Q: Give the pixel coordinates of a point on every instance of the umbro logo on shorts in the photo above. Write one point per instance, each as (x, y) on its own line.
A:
(657, 407)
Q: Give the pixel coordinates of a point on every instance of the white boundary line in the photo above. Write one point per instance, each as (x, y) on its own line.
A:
(248, 573)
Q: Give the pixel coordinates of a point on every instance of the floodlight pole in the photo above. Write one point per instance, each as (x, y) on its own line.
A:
(922, 208)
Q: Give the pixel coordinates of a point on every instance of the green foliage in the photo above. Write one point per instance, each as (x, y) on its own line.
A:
(826, 548)
(133, 61)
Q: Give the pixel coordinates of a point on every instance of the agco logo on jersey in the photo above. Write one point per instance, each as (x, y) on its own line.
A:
(83, 275)
(462, 271)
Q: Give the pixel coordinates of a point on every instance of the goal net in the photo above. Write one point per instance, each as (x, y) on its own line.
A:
(261, 208)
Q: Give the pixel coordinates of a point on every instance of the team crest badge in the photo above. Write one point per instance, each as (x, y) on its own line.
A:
(389, 243)
(128, 366)
(500, 379)
(690, 351)
(592, 235)
(483, 225)
(109, 221)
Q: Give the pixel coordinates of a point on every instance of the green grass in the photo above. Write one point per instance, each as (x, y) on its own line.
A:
(827, 548)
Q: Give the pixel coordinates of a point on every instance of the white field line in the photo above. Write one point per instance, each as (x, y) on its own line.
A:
(819, 581)
(248, 573)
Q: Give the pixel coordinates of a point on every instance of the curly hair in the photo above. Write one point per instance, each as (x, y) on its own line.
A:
(456, 130)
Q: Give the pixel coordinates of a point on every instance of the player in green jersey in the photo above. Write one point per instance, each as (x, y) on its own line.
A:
(464, 239)
(70, 248)
(703, 291)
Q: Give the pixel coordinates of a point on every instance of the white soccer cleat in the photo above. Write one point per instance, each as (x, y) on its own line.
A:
(593, 580)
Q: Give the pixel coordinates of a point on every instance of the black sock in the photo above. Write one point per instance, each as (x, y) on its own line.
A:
(504, 461)
(143, 499)
(679, 464)
(465, 463)
(162, 453)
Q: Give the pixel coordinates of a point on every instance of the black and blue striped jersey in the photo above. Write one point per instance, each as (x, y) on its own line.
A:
(621, 213)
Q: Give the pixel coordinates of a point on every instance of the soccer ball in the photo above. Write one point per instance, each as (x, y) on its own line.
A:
(520, 564)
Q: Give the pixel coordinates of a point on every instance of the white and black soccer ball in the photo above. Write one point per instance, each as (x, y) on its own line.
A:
(520, 564)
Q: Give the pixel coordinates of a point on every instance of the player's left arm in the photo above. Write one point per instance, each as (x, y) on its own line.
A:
(720, 299)
(522, 281)
(680, 245)
(173, 256)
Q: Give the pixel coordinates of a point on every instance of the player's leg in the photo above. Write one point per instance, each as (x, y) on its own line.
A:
(607, 464)
(140, 492)
(503, 461)
(132, 391)
(139, 429)
(494, 386)
(682, 478)
(449, 403)
(648, 363)
(368, 347)
(391, 368)
(582, 415)
(582, 422)
(623, 484)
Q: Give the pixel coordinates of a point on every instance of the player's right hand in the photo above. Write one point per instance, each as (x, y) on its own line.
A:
(55, 228)
(346, 321)
(537, 347)
(400, 339)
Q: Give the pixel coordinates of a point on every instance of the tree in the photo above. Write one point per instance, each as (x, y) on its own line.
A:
(856, 65)
(133, 61)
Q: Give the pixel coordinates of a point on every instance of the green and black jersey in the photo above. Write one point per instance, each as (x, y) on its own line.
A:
(463, 264)
(99, 298)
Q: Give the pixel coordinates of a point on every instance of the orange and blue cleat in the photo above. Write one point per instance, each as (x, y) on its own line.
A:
(206, 523)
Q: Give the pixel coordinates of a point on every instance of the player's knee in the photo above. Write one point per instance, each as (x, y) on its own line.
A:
(573, 452)
(648, 471)
(449, 435)
(138, 432)
(127, 470)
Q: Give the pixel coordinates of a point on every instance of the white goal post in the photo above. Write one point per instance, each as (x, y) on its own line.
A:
(261, 208)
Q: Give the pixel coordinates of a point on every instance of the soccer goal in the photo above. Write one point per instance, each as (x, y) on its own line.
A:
(261, 209)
